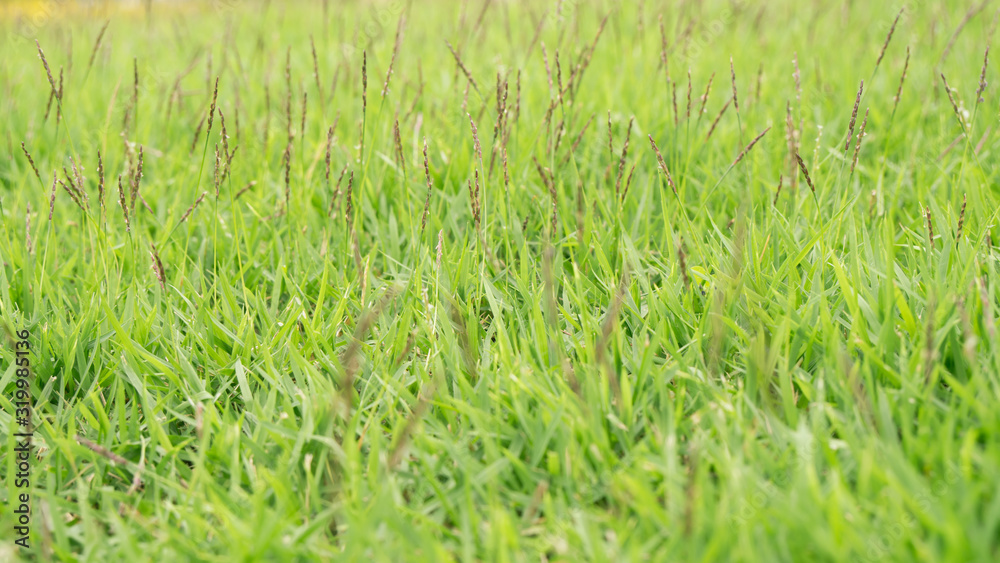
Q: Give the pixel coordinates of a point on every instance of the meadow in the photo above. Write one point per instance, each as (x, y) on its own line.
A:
(481, 280)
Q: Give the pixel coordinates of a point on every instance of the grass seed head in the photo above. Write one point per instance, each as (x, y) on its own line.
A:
(982, 77)
(854, 117)
(732, 72)
(218, 171)
(663, 164)
(100, 180)
(52, 196)
(78, 194)
(287, 163)
(468, 75)
(27, 229)
(888, 38)
(211, 110)
(688, 111)
(319, 86)
(805, 172)
(439, 250)
(197, 134)
(191, 209)
(954, 105)
(48, 71)
(349, 211)
(682, 261)
(611, 142)
(329, 154)
(59, 97)
(336, 192)
(861, 135)
(704, 97)
(674, 96)
(475, 138)
(31, 161)
(97, 44)
(305, 105)
(797, 76)
(77, 173)
(628, 182)
(157, 266)
(902, 79)
(395, 51)
(72, 195)
(579, 138)
(718, 117)
(225, 134)
(744, 152)
(136, 179)
(621, 161)
(124, 204)
(961, 222)
(430, 188)
(397, 138)
(244, 189)
(930, 227)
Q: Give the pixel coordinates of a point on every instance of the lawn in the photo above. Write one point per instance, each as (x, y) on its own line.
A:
(499, 281)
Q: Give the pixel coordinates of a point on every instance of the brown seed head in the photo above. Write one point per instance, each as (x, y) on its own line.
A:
(805, 172)
(961, 221)
(100, 180)
(430, 188)
(861, 135)
(732, 72)
(621, 161)
(158, 266)
(717, 118)
(854, 117)
(349, 212)
(465, 71)
(123, 203)
(682, 260)
(954, 105)
(48, 71)
(902, 78)
(750, 146)
(475, 137)
(31, 161)
(211, 110)
(982, 77)
(191, 209)
(688, 112)
(930, 227)
(663, 164)
(704, 97)
(27, 229)
(136, 178)
(52, 197)
(888, 37)
(395, 51)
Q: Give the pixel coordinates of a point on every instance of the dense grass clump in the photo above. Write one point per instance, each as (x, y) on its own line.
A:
(504, 281)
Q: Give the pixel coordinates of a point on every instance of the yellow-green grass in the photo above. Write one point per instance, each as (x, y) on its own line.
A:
(610, 366)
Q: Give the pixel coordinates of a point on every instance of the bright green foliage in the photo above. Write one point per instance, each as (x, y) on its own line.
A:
(607, 366)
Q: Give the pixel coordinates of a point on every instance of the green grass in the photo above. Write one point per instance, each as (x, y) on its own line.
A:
(724, 373)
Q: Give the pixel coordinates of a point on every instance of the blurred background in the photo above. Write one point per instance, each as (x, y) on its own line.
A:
(33, 12)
